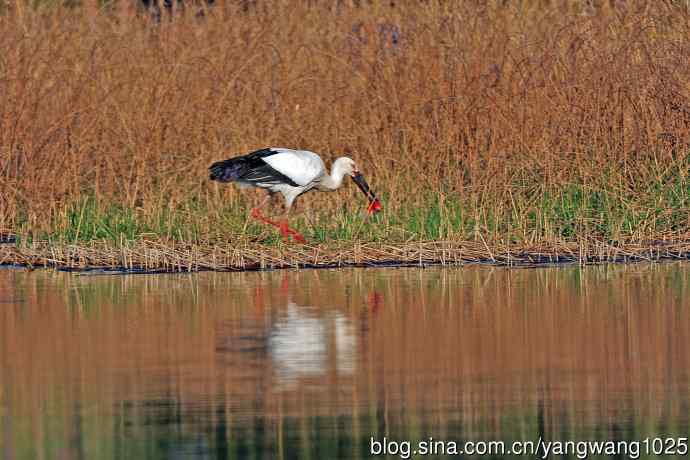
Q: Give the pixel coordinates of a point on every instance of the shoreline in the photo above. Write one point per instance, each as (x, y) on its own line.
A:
(173, 257)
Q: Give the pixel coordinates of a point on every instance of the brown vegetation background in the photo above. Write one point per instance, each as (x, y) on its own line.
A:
(497, 102)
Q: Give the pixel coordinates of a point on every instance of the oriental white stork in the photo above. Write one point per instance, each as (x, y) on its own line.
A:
(292, 173)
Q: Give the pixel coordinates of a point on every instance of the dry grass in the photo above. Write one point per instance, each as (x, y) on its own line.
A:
(537, 123)
(171, 256)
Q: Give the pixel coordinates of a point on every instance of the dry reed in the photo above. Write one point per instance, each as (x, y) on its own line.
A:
(171, 256)
(538, 124)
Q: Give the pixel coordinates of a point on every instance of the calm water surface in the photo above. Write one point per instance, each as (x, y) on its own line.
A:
(312, 364)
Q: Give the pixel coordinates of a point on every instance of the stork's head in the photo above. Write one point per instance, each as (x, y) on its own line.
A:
(348, 166)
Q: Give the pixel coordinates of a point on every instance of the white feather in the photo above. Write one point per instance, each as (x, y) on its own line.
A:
(301, 166)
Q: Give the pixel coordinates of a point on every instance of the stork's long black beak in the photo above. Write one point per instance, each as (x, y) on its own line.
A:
(374, 203)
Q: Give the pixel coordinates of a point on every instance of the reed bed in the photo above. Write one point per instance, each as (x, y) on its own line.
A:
(171, 256)
(486, 127)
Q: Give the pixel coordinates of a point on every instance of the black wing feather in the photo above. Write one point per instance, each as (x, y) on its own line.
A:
(249, 168)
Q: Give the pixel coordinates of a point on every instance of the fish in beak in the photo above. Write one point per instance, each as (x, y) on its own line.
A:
(374, 203)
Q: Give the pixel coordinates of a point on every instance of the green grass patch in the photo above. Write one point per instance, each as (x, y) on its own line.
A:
(565, 213)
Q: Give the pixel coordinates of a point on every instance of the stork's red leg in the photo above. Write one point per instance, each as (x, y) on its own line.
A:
(286, 231)
(298, 237)
(256, 213)
(282, 225)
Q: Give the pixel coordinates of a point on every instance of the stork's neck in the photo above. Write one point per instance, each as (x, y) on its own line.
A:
(334, 180)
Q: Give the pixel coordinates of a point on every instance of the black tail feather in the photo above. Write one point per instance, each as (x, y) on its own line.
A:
(250, 168)
(228, 170)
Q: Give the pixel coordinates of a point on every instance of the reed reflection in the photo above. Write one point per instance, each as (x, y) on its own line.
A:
(316, 362)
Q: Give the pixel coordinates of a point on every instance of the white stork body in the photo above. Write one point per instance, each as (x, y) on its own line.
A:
(289, 172)
(303, 167)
